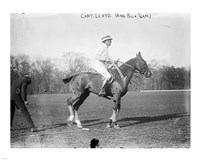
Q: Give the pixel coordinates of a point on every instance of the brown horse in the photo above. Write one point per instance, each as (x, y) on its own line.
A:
(83, 83)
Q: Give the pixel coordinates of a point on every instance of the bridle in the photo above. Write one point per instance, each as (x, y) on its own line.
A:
(135, 70)
(139, 74)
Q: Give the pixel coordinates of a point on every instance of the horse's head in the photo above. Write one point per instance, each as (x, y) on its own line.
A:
(142, 67)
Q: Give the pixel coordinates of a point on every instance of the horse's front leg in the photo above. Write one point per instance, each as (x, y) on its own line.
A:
(113, 118)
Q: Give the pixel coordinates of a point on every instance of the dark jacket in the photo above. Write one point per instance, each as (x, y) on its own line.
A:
(19, 89)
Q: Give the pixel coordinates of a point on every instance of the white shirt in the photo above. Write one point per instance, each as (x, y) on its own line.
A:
(100, 56)
(102, 52)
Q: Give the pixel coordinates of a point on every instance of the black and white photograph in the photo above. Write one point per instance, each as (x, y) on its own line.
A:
(100, 80)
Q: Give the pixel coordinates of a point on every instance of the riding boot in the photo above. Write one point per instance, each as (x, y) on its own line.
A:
(102, 91)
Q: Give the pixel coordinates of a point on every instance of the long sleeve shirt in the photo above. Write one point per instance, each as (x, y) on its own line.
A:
(102, 53)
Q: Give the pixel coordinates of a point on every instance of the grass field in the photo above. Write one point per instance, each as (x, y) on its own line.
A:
(147, 120)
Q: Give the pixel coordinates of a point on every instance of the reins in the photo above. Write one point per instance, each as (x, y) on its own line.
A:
(121, 72)
(129, 66)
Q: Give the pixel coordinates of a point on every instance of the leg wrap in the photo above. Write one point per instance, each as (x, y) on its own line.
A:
(71, 118)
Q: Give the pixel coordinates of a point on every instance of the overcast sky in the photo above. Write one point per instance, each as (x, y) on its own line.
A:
(164, 37)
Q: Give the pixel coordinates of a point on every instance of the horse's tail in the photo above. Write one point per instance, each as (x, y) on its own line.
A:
(68, 79)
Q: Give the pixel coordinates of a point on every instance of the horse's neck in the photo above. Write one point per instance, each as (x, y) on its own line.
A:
(127, 70)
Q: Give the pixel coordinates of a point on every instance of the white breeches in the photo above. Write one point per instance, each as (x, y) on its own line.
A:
(101, 69)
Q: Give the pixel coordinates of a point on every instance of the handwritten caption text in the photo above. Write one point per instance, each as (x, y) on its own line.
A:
(117, 15)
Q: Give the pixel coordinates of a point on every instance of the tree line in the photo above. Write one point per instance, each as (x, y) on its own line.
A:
(47, 73)
(163, 78)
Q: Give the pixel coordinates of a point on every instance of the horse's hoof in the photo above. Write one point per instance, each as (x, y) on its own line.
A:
(70, 123)
(80, 126)
(108, 125)
(116, 126)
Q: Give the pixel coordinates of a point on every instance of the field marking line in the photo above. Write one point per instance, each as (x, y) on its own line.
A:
(165, 90)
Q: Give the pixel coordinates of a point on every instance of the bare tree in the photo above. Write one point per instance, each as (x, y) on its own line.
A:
(75, 63)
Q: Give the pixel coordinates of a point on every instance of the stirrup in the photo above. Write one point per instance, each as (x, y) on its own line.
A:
(102, 93)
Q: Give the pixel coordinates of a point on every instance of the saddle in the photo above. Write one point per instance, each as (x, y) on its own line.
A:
(112, 78)
(122, 75)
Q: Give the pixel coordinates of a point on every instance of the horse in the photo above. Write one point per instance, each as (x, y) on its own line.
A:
(84, 83)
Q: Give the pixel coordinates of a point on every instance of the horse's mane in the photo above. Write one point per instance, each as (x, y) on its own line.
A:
(129, 62)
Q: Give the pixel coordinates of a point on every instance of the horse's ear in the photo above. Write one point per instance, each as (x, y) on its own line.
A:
(139, 54)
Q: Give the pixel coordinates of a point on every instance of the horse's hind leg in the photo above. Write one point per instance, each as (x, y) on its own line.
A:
(77, 105)
(70, 102)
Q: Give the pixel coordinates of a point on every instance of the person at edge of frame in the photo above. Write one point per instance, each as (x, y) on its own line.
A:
(19, 99)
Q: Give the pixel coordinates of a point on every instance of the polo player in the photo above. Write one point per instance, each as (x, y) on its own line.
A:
(104, 62)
